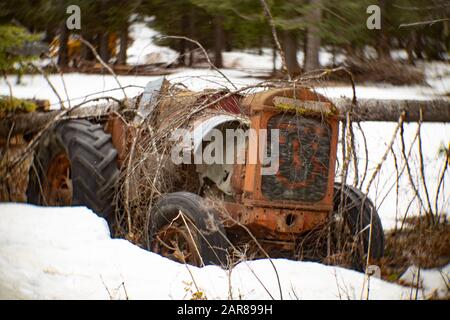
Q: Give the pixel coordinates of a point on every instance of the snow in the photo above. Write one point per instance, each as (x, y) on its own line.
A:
(383, 192)
(432, 282)
(144, 51)
(67, 253)
(262, 62)
(79, 85)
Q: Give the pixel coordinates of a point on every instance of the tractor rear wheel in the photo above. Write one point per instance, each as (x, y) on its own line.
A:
(75, 164)
(184, 229)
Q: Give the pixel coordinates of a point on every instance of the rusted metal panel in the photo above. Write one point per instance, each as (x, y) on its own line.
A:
(325, 125)
(270, 222)
(121, 136)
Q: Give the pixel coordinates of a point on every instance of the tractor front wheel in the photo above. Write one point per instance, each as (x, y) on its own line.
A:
(184, 229)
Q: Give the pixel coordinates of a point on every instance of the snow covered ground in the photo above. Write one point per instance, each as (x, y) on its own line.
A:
(67, 253)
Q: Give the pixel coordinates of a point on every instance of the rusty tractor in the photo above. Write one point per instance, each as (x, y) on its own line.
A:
(274, 214)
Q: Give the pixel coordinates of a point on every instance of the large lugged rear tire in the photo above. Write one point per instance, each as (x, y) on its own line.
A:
(184, 229)
(358, 211)
(75, 164)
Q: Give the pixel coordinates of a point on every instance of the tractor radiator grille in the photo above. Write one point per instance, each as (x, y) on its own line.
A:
(304, 159)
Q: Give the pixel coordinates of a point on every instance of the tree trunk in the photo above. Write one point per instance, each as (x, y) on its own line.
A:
(333, 56)
(383, 48)
(183, 45)
(192, 35)
(290, 51)
(104, 47)
(63, 51)
(86, 52)
(410, 44)
(419, 46)
(219, 39)
(228, 43)
(274, 59)
(123, 38)
(313, 37)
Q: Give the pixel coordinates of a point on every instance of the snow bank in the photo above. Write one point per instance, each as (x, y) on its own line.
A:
(432, 283)
(67, 253)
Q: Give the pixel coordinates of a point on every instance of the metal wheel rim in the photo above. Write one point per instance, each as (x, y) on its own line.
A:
(177, 241)
(57, 189)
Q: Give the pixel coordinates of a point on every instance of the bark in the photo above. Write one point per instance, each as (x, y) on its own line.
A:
(192, 35)
(290, 49)
(313, 37)
(390, 110)
(182, 52)
(104, 47)
(419, 47)
(183, 45)
(410, 44)
(219, 39)
(123, 38)
(383, 48)
(366, 110)
(34, 121)
(274, 59)
(228, 44)
(103, 36)
(63, 51)
(86, 52)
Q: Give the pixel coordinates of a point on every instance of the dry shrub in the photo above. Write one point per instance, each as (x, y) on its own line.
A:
(148, 171)
(385, 70)
(417, 243)
(331, 244)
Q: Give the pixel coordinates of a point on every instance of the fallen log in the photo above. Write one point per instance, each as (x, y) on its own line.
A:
(390, 110)
(32, 122)
(365, 110)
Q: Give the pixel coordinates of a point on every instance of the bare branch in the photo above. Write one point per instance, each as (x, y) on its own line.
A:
(204, 52)
(104, 64)
(275, 36)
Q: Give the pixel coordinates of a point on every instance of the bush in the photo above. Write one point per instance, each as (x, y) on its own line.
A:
(14, 42)
(9, 105)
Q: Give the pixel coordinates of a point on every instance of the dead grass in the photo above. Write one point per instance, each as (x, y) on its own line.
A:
(385, 71)
(417, 243)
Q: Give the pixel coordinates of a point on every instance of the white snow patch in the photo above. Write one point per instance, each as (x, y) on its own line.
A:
(383, 191)
(432, 282)
(66, 253)
(252, 61)
(144, 51)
